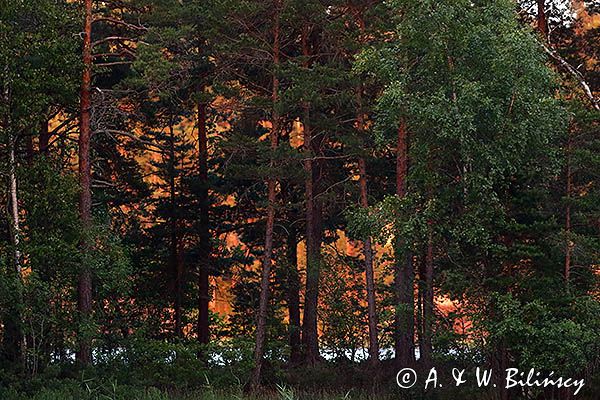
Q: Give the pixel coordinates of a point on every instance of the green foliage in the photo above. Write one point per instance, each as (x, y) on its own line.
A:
(547, 338)
(37, 56)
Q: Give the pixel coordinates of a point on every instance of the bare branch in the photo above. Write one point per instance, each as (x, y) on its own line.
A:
(132, 136)
(115, 39)
(110, 64)
(120, 22)
(576, 74)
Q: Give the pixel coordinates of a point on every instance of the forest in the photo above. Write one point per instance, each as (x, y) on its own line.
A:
(299, 199)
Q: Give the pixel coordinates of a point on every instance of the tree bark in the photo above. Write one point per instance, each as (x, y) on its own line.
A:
(15, 228)
(310, 335)
(404, 344)
(261, 324)
(13, 346)
(175, 260)
(569, 190)
(364, 202)
(428, 305)
(368, 253)
(84, 303)
(542, 22)
(543, 29)
(205, 245)
(369, 274)
(293, 281)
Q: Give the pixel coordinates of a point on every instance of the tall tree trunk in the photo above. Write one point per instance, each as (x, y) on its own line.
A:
(84, 303)
(15, 229)
(369, 273)
(293, 297)
(542, 22)
(367, 249)
(569, 190)
(175, 261)
(204, 230)
(428, 305)
(261, 324)
(13, 340)
(310, 335)
(404, 343)
(15, 222)
(500, 362)
(364, 202)
(542, 27)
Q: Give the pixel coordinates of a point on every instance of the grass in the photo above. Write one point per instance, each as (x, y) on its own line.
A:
(92, 389)
(281, 393)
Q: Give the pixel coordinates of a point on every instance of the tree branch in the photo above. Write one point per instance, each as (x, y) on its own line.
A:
(116, 39)
(119, 22)
(576, 74)
(131, 136)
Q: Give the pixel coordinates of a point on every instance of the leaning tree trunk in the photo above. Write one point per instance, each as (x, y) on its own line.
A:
(404, 328)
(261, 324)
(205, 245)
(84, 301)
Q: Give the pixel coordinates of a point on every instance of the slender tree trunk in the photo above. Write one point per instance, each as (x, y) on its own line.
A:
(84, 303)
(542, 27)
(364, 202)
(293, 297)
(542, 22)
(428, 305)
(404, 274)
(309, 323)
(368, 254)
(175, 261)
(13, 340)
(205, 245)
(310, 335)
(15, 228)
(261, 325)
(370, 282)
(569, 190)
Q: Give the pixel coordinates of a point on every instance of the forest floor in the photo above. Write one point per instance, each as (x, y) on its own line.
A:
(198, 395)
